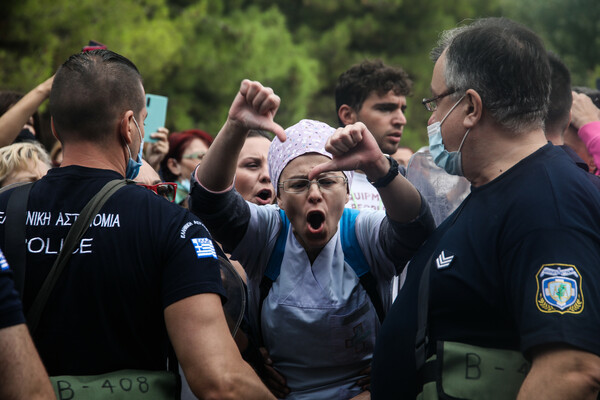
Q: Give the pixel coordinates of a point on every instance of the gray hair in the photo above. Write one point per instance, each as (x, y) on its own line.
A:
(506, 64)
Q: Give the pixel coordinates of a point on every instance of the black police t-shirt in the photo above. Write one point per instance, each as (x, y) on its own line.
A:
(514, 267)
(140, 254)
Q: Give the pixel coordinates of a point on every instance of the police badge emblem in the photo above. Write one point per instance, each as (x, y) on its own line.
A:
(559, 289)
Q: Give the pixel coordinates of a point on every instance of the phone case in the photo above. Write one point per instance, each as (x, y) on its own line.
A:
(157, 115)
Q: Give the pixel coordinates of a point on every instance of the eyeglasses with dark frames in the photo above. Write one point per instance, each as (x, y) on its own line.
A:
(431, 104)
(163, 189)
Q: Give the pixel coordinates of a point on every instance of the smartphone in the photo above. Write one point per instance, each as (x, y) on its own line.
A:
(157, 115)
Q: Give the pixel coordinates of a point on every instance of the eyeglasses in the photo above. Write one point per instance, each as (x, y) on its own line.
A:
(302, 185)
(195, 156)
(431, 104)
(164, 189)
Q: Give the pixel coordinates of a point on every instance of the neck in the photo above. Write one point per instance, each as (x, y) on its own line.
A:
(93, 155)
(311, 252)
(498, 152)
(556, 140)
(312, 255)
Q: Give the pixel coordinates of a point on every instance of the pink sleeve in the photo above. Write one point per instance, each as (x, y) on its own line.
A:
(590, 135)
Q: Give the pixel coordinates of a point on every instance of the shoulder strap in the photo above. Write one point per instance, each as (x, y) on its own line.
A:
(14, 233)
(73, 238)
(274, 265)
(354, 256)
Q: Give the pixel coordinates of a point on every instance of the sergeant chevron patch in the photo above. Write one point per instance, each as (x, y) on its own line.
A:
(444, 261)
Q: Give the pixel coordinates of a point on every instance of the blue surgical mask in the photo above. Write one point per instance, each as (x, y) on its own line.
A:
(133, 166)
(451, 162)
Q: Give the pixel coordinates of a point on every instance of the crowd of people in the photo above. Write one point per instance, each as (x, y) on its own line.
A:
(466, 269)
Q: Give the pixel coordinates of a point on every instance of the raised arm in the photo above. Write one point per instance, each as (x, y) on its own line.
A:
(13, 120)
(583, 110)
(253, 108)
(353, 147)
(585, 116)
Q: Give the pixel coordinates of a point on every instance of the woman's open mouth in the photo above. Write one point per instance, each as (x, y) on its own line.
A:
(264, 196)
(316, 221)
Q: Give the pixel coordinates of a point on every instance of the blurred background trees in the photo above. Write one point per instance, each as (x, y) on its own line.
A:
(196, 52)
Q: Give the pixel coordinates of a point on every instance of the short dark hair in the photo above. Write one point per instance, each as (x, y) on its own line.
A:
(561, 98)
(91, 92)
(357, 83)
(506, 64)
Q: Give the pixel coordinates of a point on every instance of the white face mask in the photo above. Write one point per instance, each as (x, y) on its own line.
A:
(451, 162)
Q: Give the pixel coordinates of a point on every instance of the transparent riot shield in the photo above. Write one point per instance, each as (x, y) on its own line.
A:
(443, 192)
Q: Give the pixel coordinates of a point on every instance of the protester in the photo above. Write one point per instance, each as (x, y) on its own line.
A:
(317, 321)
(252, 179)
(186, 150)
(23, 162)
(512, 272)
(22, 374)
(374, 94)
(18, 114)
(145, 272)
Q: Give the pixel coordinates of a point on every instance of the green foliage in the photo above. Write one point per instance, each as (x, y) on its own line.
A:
(248, 43)
(570, 28)
(196, 52)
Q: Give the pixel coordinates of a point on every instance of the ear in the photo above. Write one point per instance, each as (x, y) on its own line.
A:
(347, 114)
(280, 201)
(173, 166)
(474, 109)
(53, 129)
(125, 130)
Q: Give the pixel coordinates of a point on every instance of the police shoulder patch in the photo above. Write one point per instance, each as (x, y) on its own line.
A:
(559, 289)
(204, 248)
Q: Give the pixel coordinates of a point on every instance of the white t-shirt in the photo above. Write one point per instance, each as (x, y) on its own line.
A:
(363, 195)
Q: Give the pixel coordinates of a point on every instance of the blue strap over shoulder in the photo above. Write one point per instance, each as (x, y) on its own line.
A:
(274, 265)
(353, 254)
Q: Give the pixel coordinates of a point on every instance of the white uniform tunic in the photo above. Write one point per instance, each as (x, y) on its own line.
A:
(318, 322)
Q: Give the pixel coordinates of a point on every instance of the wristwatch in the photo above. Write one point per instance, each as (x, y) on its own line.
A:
(387, 178)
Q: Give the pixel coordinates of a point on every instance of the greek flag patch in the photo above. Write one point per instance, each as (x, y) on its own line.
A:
(3, 263)
(204, 248)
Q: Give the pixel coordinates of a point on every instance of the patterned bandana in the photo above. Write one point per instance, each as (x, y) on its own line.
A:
(307, 136)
